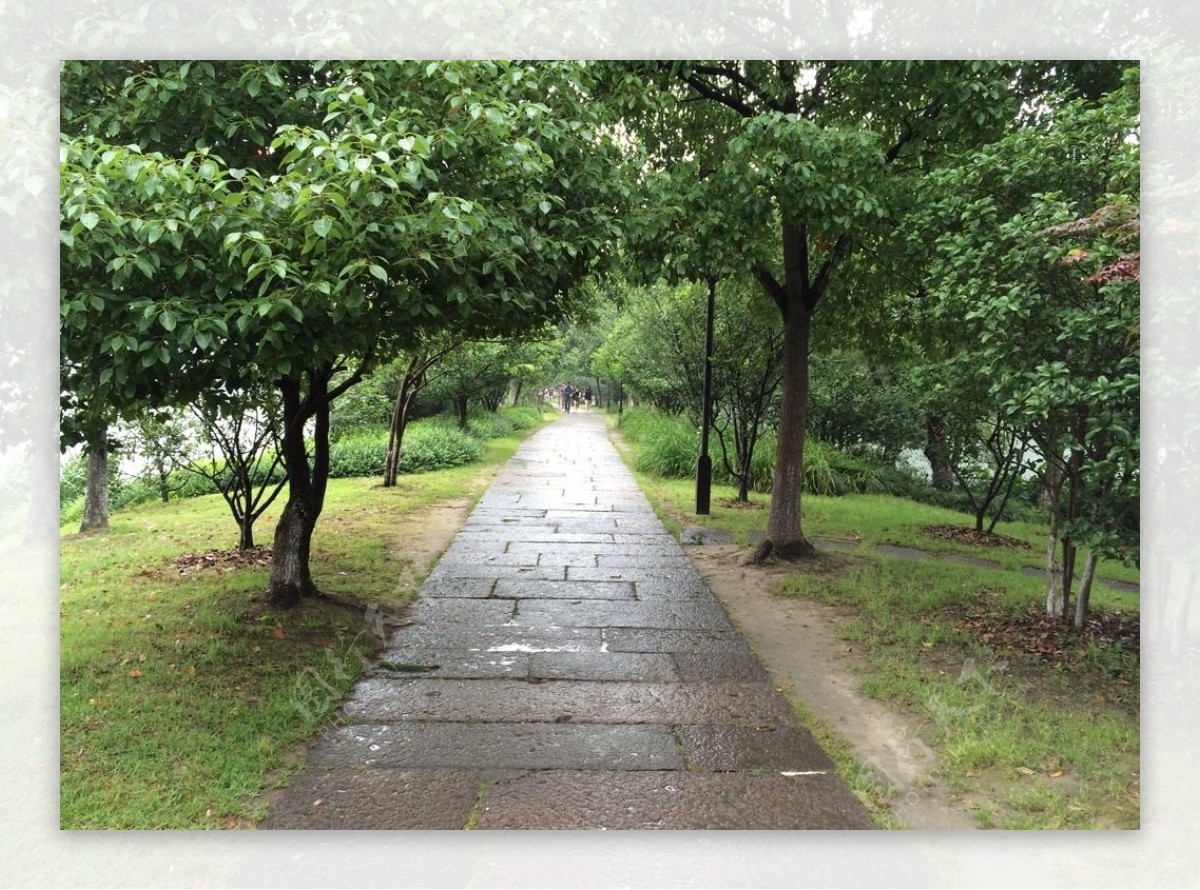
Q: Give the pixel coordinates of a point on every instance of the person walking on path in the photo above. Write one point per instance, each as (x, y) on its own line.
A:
(566, 668)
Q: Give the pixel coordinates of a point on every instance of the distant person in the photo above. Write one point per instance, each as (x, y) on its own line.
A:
(568, 397)
(587, 398)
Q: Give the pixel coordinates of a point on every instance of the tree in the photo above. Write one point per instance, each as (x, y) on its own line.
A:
(1070, 378)
(162, 441)
(805, 157)
(658, 349)
(245, 464)
(416, 363)
(296, 222)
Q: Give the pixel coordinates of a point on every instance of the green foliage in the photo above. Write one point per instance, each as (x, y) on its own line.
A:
(1034, 267)
(828, 471)
(434, 446)
(667, 447)
(522, 417)
(428, 445)
(489, 425)
(858, 407)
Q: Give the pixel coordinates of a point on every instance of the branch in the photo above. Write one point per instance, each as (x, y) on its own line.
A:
(841, 248)
(773, 288)
(704, 88)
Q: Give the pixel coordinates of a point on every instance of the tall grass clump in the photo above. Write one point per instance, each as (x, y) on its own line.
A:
(667, 445)
(828, 471)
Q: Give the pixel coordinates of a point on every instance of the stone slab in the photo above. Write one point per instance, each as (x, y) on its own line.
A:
(443, 586)
(639, 560)
(497, 638)
(669, 800)
(384, 699)
(460, 664)
(639, 639)
(680, 614)
(737, 666)
(550, 549)
(607, 666)
(752, 748)
(699, 536)
(460, 570)
(517, 588)
(499, 746)
(376, 798)
(461, 610)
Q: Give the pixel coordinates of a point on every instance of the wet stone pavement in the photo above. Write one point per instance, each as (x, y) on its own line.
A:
(567, 668)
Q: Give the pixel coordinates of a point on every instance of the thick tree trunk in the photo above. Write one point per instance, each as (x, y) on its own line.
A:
(95, 502)
(291, 579)
(937, 451)
(784, 531)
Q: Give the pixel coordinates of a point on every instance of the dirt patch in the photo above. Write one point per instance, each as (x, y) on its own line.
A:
(418, 539)
(971, 536)
(798, 642)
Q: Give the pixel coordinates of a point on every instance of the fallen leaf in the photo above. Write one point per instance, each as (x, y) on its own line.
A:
(1056, 774)
(318, 801)
(135, 673)
(1024, 770)
(191, 670)
(279, 634)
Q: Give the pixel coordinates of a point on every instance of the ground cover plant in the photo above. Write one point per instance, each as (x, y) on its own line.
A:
(1035, 725)
(183, 699)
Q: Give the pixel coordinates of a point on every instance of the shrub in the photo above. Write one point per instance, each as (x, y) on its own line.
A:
(358, 454)
(432, 445)
(488, 425)
(522, 417)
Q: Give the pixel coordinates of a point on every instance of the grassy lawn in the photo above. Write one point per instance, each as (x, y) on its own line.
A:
(182, 699)
(1033, 729)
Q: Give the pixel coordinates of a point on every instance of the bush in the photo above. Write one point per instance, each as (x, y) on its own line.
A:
(433, 445)
(358, 454)
(488, 425)
(523, 417)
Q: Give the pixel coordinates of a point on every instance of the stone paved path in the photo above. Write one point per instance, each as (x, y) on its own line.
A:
(578, 674)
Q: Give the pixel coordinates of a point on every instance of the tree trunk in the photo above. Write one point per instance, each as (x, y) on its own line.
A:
(936, 451)
(1083, 599)
(1055, 604)
(396, 433)
(291, 579)
(95, 503)
(785, 534)
(246, 532)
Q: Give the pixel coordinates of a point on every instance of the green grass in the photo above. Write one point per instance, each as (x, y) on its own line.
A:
(182, 699)
(1024, 743)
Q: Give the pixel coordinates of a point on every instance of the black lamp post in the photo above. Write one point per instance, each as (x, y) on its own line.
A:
(704, 462)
